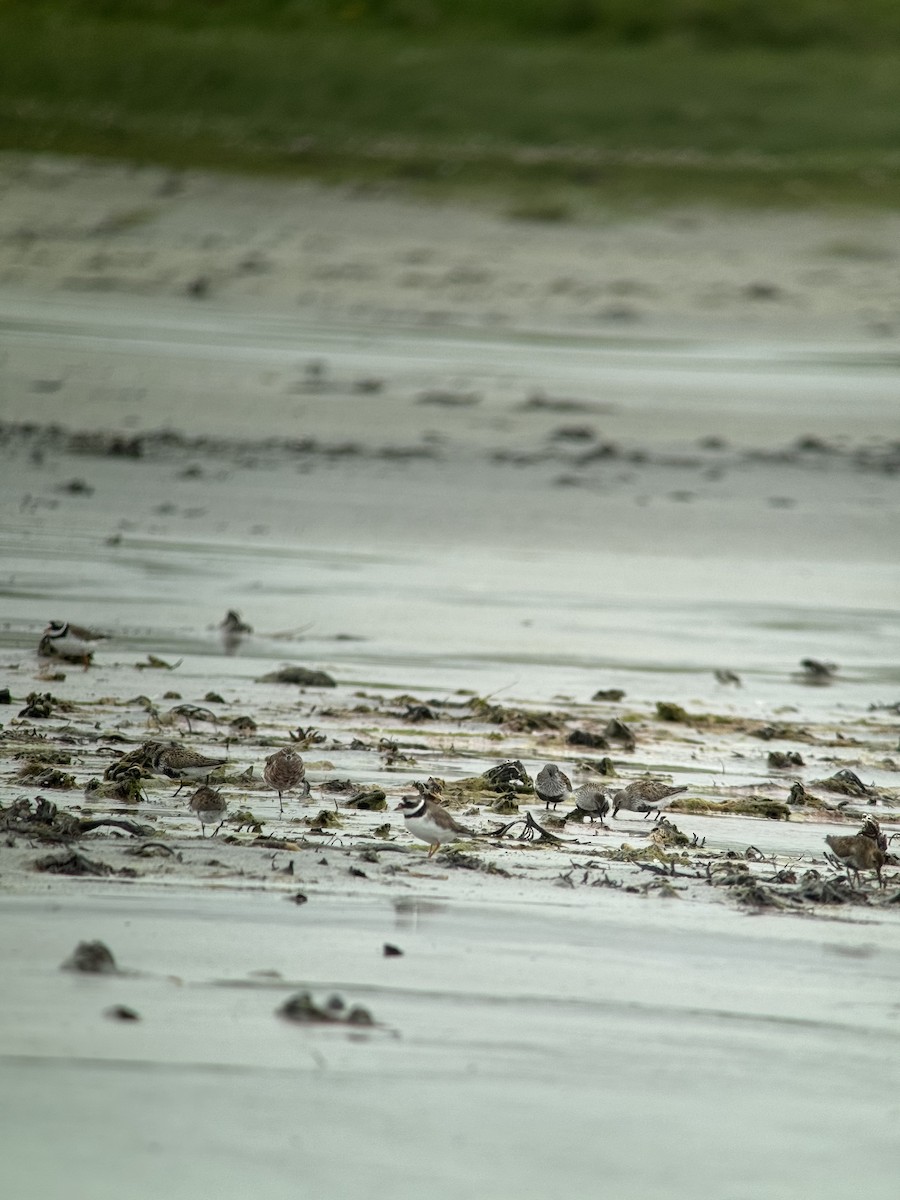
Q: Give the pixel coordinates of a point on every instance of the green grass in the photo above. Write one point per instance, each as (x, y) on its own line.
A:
(554, 126)
(723, 23)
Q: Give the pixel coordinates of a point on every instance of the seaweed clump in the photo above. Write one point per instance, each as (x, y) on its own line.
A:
(772, 810)
(519, 720)
(303, 1010)
(503, 785)
(44, 775)
(299, 675)
(848, 783)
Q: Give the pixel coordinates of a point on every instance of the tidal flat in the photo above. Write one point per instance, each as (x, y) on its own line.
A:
(503, 540)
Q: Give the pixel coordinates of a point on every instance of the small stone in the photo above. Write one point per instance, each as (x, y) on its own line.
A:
(359, 1016)
(121, 1012)
(94, 958)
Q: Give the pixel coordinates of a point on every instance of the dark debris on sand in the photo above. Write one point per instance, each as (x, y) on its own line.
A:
(93, 958)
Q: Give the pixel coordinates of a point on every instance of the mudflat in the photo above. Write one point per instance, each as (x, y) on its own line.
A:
(520, 492)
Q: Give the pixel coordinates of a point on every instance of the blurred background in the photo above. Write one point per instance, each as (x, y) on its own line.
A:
(564, 105)
(561, 322)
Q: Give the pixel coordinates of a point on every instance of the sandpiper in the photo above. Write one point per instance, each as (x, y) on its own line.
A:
(858, 853)
(646, 796)
(590, 799)
(429, 821)
(551, 785)
(284, 771)
(178, 762)
(71, 642)
(209, 806)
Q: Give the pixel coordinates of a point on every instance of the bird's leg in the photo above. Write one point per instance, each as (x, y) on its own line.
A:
(432, 850)
(178, 789)
(280, 805)
(218, 827)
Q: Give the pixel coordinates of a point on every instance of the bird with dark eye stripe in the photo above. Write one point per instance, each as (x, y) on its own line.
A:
(73, 643)
(430, 822)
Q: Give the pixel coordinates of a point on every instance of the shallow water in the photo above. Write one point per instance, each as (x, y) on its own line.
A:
(535, 1041)
(521, 1051)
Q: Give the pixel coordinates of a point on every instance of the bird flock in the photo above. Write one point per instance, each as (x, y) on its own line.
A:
(425, 815)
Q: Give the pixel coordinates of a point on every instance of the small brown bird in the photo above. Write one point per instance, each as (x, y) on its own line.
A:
(591, 800)
(209, 806)
(858, 853)
(551, 785)
(178, 762)
(646, 796)
(429, 821)
(285, 771)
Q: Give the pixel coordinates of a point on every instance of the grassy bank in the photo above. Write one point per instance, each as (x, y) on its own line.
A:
(560, 123)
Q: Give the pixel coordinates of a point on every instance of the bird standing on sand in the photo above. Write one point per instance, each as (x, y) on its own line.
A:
(816, 671)
(430, 822)
(209, 807)
(590, 799)
(646, 796)
(178, 762)
(858, 853)
(551, 785)
(233, 630)
(284, 771)
(71, 642)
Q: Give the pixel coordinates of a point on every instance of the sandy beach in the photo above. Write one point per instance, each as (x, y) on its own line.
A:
(512, 486)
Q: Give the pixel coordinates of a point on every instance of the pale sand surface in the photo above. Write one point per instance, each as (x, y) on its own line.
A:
(547, 1032)
(371, 254)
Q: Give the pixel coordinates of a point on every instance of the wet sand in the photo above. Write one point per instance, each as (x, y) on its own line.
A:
(429, 501)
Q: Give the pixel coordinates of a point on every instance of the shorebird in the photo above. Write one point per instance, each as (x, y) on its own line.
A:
(429, 821)
(858, 853)
(646, 796)
(284, 771)
(591, 799)
(71, 642)
(551, 785)
(178, 762)
(724, 676)
(209, 806)
(233, 630)
(816, 671)
(871, 829)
